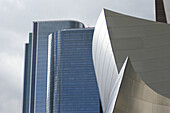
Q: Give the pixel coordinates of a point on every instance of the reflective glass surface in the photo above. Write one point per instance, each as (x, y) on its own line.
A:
(75, 83)
(43, 29)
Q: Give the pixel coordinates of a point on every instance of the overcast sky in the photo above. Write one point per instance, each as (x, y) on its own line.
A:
(16, 17)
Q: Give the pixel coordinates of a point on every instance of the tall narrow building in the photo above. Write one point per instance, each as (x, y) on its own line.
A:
(27, 76)
(25, 101)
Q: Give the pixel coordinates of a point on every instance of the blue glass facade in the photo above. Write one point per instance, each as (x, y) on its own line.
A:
(59, 74)
(75, 83)
(39, 60)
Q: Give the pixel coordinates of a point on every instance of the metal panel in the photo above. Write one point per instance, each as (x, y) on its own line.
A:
(140, 98)
(104, 62)
(146, 56)
(146, 43)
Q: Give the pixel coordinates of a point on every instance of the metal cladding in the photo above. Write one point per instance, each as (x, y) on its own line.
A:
(147, 45)
(136, 97)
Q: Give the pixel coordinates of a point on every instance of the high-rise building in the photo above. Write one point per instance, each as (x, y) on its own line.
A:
(132, 64)
(131, 61)
(41, 31)
(74, 77)
(27, 76)
(45, 56)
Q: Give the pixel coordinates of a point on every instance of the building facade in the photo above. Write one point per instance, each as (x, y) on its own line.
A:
(25, 105)
(75, 87)
(41, 31)
(131, 61)
(46, 51)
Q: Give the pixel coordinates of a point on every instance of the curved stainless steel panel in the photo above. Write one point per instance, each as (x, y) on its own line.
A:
(103, 61)
(136, 97)
(147, 44)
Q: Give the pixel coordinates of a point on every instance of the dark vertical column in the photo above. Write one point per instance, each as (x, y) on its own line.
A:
(25, 79)
(160, 11)
(34, 48)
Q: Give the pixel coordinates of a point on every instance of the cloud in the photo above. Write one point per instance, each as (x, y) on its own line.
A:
(16, 22)
(10, 83)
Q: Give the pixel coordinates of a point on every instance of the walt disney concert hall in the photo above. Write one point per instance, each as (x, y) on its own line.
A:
(132, 63)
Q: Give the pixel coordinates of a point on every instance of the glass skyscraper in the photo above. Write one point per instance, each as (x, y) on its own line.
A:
(74, 77)
(59, 74)
(27, 75)
(44, 95)
(44, 28)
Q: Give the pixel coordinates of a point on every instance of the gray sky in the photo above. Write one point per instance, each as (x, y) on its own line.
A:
(16, 18)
